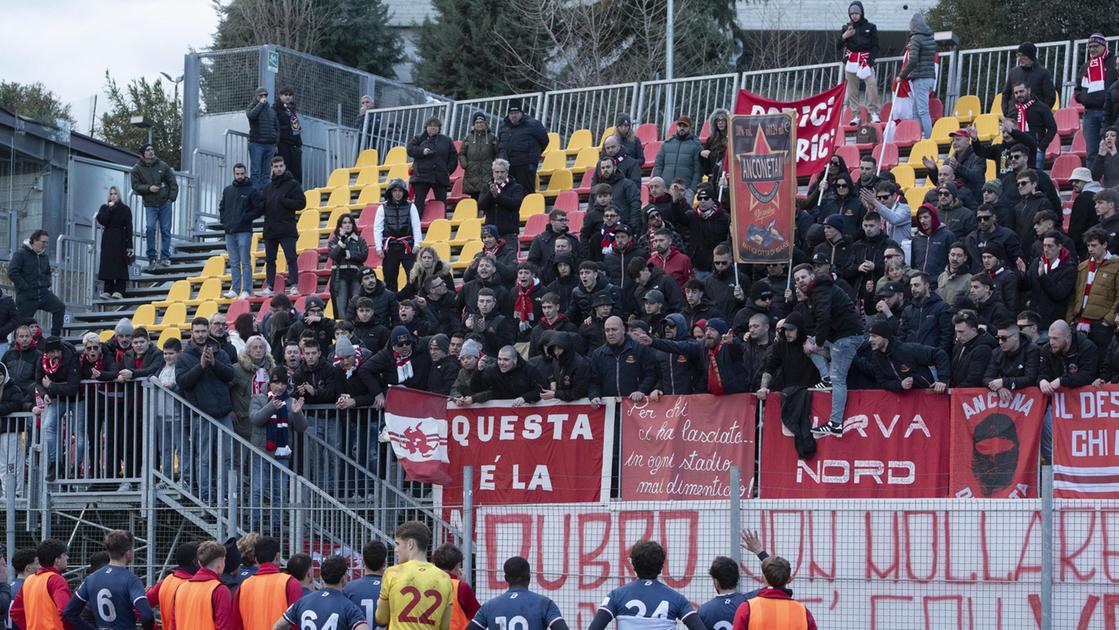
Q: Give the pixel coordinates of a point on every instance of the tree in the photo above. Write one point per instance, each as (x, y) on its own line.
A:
(34, 101)
(983, 23)
(140, 97)
(356, 33)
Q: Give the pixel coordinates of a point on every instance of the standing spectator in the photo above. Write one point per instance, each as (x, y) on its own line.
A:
(989, 231)
(715, 147)
(56, 377)
(984, 299)
(631, 144)
(241, 203)
(972, 351)
(290, 139)
(399, 363)
(1052, 278)
(1091, 308)
(1014, 364)
(500, 201)
(30, 273)
(396, 232)
(621, 367)
(1031, 73)
(1083, 214)
(434, 158)
(953, 213)
(263, 136)
(348, 251)
(927, 319)
(1035, 118)
(1070, 360)
(678, 158)
(203, 374)
(897, 219)
(154, 181)
(931, 243)
(708, 227)
(625, 194)
(365, 104)
(520, 140)
(859, 40)
(629, 168)
(476, 155)
(921, 69)
(275, 415)
(385, 305)
(250, 378)
(1106, 165)
(115, 218)
(722, 355)
(542, 252)
(283, 199)
(1031, 201)
(787, 365)
(1095, 75)
(22, 360)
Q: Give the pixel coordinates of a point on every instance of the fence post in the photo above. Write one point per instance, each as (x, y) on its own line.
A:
(10, 515)
(468, 523)
(234, 497)
(192, 83)
(267, 78)
(1046, 547)
(147, 474)
(735, 514)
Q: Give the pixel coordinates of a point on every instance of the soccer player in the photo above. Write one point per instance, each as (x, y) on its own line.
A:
(162, 593)
(25, 564)
(264, 596)
(464, 605)
(646, 602)
(365, 591)
(519, 607)
(328, 608)
(774, 606)
(718, 613)
(203, 603)
(299, 567)
(44, 595)
(116, 595)
(415, 594)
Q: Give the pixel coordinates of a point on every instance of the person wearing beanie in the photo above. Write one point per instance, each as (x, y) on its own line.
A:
(399, 363)
(626, 132)
(787, 365)
(499, 200)
(1092, 81)
(466, 381)
(722, 356)
(316, 321)
(836, 249)
(521, 140)
(397, 232)
(263, 136)
(476, 155)
(994, 264)
(1083, 214)
(900, 366)
(678, 158)
(274, 414)
(154, 181)
(1029, 71)
(859, 40)
(444, 367)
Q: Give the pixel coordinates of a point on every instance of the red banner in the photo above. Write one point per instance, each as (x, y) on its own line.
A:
(545, 453)
(1086, 443)
(817, 123)
(682, 447)
(995, 443)
(763, 187)
(893, 446)
(416, 424)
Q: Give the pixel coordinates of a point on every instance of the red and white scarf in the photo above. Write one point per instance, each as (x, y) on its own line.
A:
(856, 60)
(50, 368)
(1022, 109)
(1093, 79)
(523, 309)
(1049, 266)
(357, 362)
(714, 378)
(259, 383)
(404, 369)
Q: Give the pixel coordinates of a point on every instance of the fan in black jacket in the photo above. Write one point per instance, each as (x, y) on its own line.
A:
(972, 351)
(283, 198)
(906, 366)
(569, 373)
(1014, 364)
(444, 367)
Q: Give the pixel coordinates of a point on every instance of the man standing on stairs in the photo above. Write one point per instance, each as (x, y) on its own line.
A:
(240, 205)
(859, 41)
(397, 233)
(30, 273)
(203, 373)
(283, 199)
(154, 180)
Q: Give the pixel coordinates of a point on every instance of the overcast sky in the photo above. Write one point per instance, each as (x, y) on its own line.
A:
(68, 44)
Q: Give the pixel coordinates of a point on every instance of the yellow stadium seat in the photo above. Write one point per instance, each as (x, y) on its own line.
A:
(578, 140)
(560, 181)
(338, 177)
(943, 127)
(924, 148)
(257, 246)
(439, 230)
(340, 196)
(967, 108)
(469, 231)
(531, 205)
(366, 158)
(307, 240)
(210, 290)
(554, 142)
(904, 175)
(996, 105)
(308, 220)
(106, 335)
(332, 220)
(370, 194)
(553, 161)
(586, 159)
(992, 171)
(174, 316)
(214, 268)
(987, 127)
(207, 309)
(397, 171)
(144, 315)
(1057, 103)
(396, 155)
(329, 310)
(466, 256)
(443, 248)
(605, 134)
(465, 210)
(166, 335)
(179, 292)
(914, 197)
(368, 175)
(316, 197)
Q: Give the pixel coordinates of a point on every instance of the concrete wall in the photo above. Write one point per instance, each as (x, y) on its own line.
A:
(826, 15)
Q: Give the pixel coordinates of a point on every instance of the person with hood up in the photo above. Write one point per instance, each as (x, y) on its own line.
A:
(521, 140)
(396, 232)
(625, 132)
(500, 203)
(476, 155)
(283, 198)
(30, 273)
(787, 365)
(399, 363)
(921, 69)
(154, 181)
(564, 280)
(1097, 72)
(434, 158)
(859, 41)
(678, 157)
(567, 371)
(510, 379)
(931, 243)
(843, 203)
(551, 318)
(677, 374)
(1083, 214)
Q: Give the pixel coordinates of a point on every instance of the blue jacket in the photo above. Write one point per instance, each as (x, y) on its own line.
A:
(622, 370)
(205, 387)
(927, 322)
(679, 159)
(930, 251)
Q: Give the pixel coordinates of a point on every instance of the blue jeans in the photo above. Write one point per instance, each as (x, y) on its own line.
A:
(240, 260)
(204, 439)
(160, 216)
(922, 88)
(842, 355)
(260, 164)
(1092, 125)
(271, 482)
(169, 439)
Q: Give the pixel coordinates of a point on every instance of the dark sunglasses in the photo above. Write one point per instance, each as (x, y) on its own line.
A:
(841, 185)
(1024, 182)
(986, 218)
(704, 198)
(1003, 338)
(882, 197)
(402, 344)
(721, 263)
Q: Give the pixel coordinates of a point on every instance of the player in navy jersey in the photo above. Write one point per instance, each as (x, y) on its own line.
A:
(518, 608)
(328, 608)
(113, 592)
(365, 591)
(646, 603)
(25, 563)
(718, 612)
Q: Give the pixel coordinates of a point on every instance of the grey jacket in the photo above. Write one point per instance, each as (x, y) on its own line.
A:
(922, 50)
(263, 127)
(260, 412)
(679, 159)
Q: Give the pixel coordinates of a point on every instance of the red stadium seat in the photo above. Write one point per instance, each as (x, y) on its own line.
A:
(584, 187)
(705, 131)
(456, 195)
(575, 221)
(648, 133)
(1062, 168)
(237, 309)
(644, 194)
(1079, 147)
(1068, 121)
(884, 111)
(887, 154)
(432, 210)
(308, 282)
(849, 153)
(372, 260)
(567, 200)
(309, 261)
(651, 151)
(1054, 148)
(936, 108)
(365, 221)
(907, 133)
(535, 225)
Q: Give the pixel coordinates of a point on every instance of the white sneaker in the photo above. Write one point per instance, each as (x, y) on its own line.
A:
(243, 295)
(125, 487)
(293, 291)
(229, 295)
(104, 295)
(855, 121)
(874, 118)
(265, 292)
(118, 295)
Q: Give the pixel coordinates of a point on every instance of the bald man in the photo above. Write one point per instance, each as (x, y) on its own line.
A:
(1070, 360)
(621, 366)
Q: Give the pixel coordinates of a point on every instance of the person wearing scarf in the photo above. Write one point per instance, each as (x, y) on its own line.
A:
(1052, 278)
(1006, 281)
(1034, 118)
(250, 378)
(526, 307)
(56, 376)
(721, 356)
(274, 415)
(1097, 73)
(1097, 290)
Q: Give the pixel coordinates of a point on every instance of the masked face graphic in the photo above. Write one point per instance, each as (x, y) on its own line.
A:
(994, 456)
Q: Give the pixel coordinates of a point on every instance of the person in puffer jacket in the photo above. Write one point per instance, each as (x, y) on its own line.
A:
(678, 158)
(921, 69)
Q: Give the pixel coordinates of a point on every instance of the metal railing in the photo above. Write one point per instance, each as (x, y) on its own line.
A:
(315, 163)
(594, 108)
(385, 128)
(211, 175)
(75, 270)
(661, 102)
(983, 71)
(342, 146)
(9, 224)
(185, 213)
(495, 108)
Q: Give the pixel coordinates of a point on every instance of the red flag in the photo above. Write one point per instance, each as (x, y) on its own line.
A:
(995, 443)
(817, 123)
(416, 423)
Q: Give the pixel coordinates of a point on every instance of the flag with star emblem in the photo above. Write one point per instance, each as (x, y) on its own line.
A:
(762, 181)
